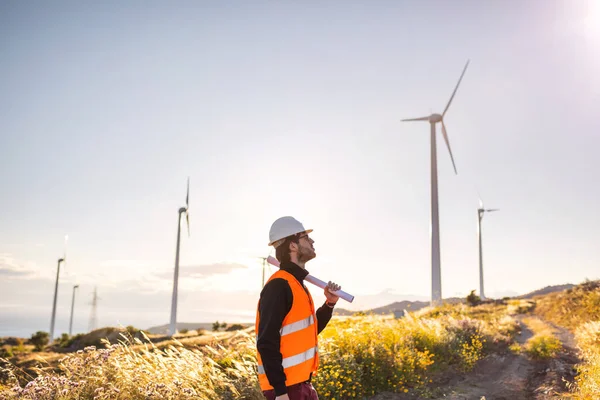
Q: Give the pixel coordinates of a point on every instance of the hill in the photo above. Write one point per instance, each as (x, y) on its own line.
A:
(547, 290)
(190, 326)
(396, 307)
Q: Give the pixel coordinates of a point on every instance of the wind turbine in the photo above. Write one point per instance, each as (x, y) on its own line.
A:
(480, 212)
(173, 323)
(264, 265)
(64, 261)
(93, 323)
(433, 119)
(72, 308)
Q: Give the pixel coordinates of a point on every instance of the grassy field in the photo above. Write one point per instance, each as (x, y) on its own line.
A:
(579, 310)
(360, 357)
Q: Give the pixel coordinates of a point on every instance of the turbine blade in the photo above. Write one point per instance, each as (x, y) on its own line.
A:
(455, 89)
(416, 119)
(187, 197)
(65, 252)
(187, 218)
(479, 196)
(492, 210)
(448, 144)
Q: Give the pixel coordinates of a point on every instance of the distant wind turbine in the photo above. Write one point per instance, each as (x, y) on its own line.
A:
(264, 264)
(64, 261)
(72, 309)
(264, 267)
(480, 211)
(433, 119)
(173, 323)
(93, 323)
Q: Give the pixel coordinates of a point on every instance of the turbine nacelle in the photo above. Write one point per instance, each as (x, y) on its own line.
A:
(435, 118)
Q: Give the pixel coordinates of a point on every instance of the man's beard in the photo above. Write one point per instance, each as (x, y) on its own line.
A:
(306, 254)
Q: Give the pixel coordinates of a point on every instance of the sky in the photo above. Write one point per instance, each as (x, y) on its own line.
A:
(286, 108)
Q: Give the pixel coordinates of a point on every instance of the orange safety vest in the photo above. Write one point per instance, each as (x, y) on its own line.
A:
(300, 357)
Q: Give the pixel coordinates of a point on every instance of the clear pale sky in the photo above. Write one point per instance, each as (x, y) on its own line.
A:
(279, 109)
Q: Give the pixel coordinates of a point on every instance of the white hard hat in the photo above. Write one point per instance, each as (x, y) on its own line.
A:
(284, 227)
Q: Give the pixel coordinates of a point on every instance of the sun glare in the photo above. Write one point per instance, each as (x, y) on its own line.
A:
(592, 18)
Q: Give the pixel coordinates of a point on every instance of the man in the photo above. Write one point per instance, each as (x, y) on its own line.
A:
(287, 324)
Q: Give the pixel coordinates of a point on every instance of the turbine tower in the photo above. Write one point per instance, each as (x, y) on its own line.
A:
(480, 212)
(53, 318)
(433, 119)
(72, 308)
(173, 323)
(264, 265)
(93, 316)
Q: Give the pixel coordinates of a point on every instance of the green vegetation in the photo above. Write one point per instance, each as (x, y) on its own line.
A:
(473, 299)
(6, 351)
(234, 327)
(360, 356)
(572, 307)
(544, 344)
(218, 326)
(588, 379)
(40, 340)
(578, 309)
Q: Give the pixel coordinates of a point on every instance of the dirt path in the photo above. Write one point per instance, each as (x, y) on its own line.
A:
(508, 376)
(550, 378)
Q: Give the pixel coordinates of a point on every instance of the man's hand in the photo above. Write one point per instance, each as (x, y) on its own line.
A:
(332, 287)
(283, 397)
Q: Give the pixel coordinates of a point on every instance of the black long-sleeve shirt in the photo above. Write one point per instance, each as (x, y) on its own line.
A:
(275, 303)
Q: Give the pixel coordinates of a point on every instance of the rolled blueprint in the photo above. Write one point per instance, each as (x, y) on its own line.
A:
(315, 281)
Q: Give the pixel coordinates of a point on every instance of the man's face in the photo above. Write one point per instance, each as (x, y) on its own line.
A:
(306, 251)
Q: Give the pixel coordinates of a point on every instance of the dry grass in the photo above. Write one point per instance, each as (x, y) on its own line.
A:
(579, 310)
(588, 379)
(122, 372)
(360, 356)
(543, 344)
(572, 307)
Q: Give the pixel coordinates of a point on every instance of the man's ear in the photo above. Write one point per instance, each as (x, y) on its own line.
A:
(293, 247)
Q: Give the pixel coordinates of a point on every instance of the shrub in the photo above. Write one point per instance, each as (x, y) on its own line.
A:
(543, 346)
(234, 327)
(473, 299)
(132, 330)
(40, 339)
(6, 351)
(64, 340)
(184, 331)
(19, 346)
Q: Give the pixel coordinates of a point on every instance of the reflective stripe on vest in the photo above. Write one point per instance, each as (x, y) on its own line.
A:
(294, 360)
(297, 326)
